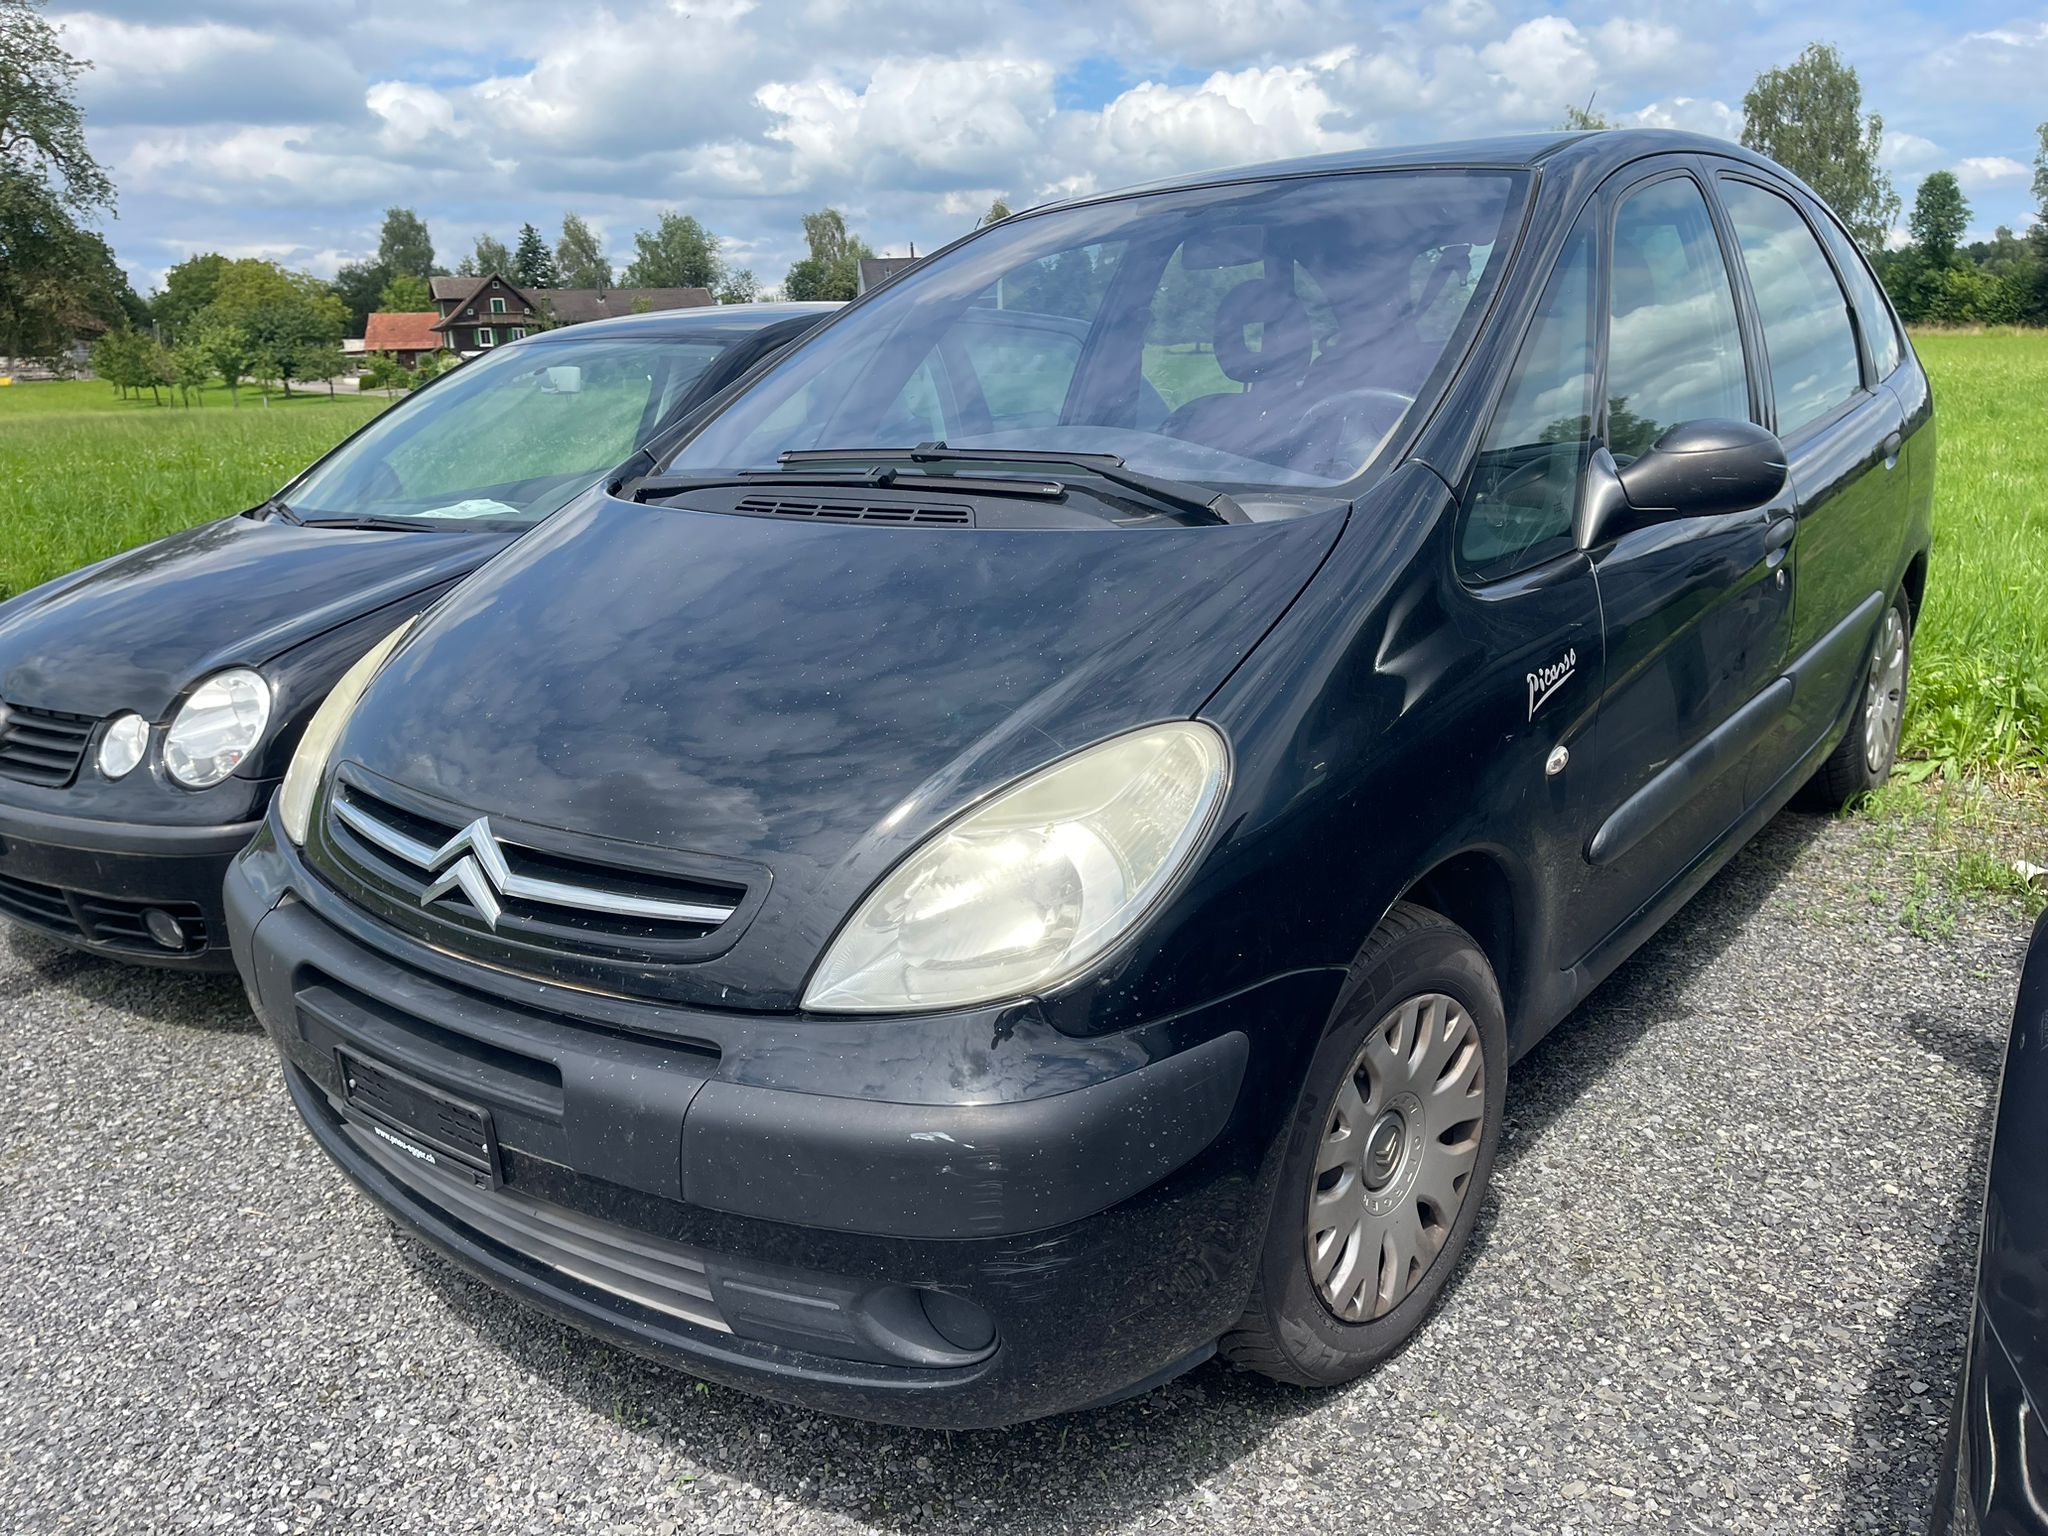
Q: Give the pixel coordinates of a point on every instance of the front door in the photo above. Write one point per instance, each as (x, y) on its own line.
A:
(1695, 612)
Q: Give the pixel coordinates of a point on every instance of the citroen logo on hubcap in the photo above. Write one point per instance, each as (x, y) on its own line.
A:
(480, 873)
(1383, 1150)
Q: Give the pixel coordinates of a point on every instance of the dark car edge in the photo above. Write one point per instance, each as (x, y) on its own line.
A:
(1994, 1470)
(1377, 688)
(130, 867)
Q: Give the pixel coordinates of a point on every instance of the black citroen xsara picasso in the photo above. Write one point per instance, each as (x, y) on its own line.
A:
(1023, 853)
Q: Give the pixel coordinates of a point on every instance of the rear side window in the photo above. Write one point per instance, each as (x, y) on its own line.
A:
(1525, 487)
(1871, 310)
(1674, 348)
(1805, 314)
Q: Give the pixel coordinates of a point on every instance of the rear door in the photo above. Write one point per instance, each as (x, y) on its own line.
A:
(1842, 439)
(1695, 610)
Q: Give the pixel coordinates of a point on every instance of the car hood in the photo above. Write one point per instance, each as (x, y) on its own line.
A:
(812, 699)
(135, 631)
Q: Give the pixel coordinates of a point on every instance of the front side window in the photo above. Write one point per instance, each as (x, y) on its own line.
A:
(1525, 487)
(1269, 334)
(510, 437)
(1805, 314)
(1674, 347)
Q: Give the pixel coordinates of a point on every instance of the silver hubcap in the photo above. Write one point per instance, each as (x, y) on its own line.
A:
(1396, 1157)
(1884, 693)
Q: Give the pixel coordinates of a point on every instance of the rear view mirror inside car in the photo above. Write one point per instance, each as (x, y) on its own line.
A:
(562, 379)
(1230, 245)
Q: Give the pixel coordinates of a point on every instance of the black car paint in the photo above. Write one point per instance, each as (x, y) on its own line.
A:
(1387, 740)
(136, 632)
(1996, 1463)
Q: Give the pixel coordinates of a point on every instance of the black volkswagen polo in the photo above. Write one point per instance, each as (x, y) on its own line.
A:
(149, 704)
(1023, 852)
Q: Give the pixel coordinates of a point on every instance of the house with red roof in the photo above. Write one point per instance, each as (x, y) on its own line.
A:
(406, 337)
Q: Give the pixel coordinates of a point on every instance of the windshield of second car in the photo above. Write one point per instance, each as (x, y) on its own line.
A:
(510, 437)
(1266, 334)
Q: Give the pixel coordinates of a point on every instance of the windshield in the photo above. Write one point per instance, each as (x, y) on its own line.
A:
(512, 436)
(1268, 334)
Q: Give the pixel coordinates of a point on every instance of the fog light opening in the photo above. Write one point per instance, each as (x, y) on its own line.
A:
(958, 1321)
(165, 929)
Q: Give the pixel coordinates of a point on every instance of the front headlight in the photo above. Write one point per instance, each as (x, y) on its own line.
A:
(217, 727)
(302, 778)
(1032, 887)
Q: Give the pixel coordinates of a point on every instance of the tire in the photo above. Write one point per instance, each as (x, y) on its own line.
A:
(1863, 758)
(1320, 1312)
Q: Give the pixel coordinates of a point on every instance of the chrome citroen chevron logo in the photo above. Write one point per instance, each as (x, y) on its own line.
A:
(480, 873)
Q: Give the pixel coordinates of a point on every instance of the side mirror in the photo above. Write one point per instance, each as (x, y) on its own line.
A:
(1697, 469)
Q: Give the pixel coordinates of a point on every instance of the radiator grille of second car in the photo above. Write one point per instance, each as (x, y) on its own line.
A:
(543, 898)
(42, 746)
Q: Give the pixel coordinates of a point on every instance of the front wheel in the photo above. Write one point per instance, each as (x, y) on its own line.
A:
(1863, 759)
(1388, 1159)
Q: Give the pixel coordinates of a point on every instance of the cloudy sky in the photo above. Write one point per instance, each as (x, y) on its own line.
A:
(282, 128)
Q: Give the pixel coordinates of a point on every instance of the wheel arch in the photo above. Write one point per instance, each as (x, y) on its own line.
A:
(1914, 585)
(1481, 891)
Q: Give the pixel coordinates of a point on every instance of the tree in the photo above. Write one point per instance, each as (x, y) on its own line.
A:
(533, 264)
(318, 360)
(580, 256)
(42, 131)
(360, 286)
(1940, 215)
(188, 288)
(406, 295)
(404, 247)
(56, 278)
(832, 270)
(1585, 119)
(190, 370)
(739, 287)
(488, 255)
(677, 253)
(1808, 116)
(997, 212)
(284, 315)
(226, 348)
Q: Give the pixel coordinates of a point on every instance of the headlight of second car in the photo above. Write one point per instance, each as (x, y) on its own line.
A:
(1033, 886)
(302, 778)
(217, 727)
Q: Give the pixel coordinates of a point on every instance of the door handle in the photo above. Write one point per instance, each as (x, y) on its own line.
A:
(1891, 450)
(1778, 537)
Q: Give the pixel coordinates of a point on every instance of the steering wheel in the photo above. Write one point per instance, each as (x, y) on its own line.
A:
(1333, 426)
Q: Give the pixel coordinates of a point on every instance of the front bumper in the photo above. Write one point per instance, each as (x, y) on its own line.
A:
(763, 1200)
(91, 883)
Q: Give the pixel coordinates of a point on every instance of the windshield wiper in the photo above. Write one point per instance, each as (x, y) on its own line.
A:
(1180, 495)
(658, 487)
(277, 509)
(386, 524)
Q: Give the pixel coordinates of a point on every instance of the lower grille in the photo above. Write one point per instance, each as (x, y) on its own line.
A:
(660, 1276)
(101, 919)
(42, 746)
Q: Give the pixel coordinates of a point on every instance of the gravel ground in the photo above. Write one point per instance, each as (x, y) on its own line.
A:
(1720, 1286)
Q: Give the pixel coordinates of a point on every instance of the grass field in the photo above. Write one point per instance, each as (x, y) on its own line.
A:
(1980, 664)
(84, 475)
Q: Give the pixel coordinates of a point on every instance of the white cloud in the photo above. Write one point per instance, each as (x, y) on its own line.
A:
(1909, 152)
(411, 114)
(1989, 170)
(1230, 118)
(1461, 18)
(1694, 116)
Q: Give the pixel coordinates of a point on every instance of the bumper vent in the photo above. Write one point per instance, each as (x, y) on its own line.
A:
(101, 919)
(42, 746)
(496, 890)
(838, 509)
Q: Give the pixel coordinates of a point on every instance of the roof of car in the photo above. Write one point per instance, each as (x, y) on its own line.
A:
(724, 320)
(1606, 147)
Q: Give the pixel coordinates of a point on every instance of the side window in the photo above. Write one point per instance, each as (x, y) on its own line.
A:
(1674, 346)
(1525, 487)
(1805, 314)
(1871, 310)
(1023, 369)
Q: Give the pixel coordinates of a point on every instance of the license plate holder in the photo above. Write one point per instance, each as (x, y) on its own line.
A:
(427, 1124)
